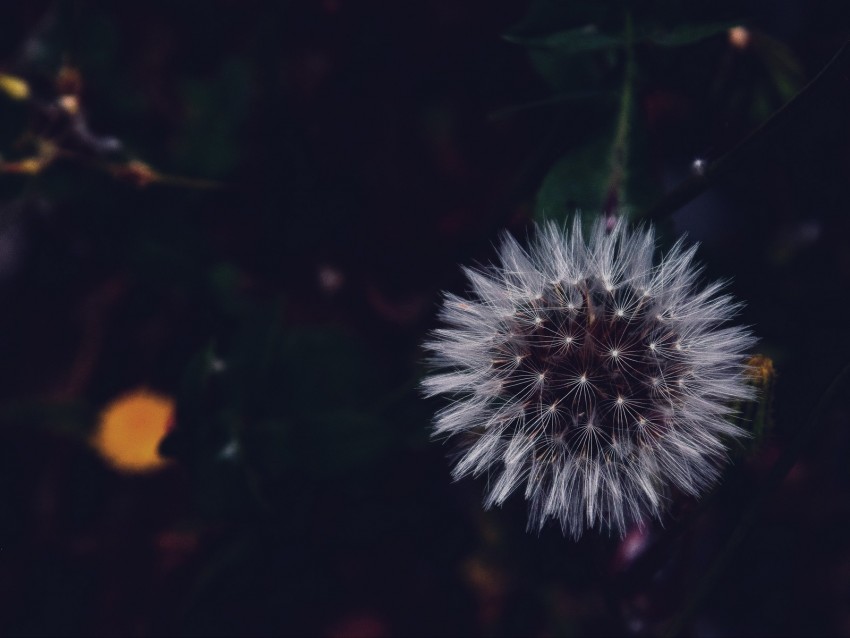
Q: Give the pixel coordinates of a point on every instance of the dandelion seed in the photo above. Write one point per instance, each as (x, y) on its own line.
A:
(604, 380)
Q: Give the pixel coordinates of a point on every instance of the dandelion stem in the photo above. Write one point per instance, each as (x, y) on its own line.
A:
(615, 193)
(777, 474)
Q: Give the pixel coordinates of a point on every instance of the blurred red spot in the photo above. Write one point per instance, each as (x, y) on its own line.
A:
(360, 625)
(631, 547)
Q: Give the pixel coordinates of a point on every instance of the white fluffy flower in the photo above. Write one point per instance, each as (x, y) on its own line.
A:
(590, 375)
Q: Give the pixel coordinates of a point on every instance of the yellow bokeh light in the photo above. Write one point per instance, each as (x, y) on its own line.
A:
(15, 87)
(130, 429)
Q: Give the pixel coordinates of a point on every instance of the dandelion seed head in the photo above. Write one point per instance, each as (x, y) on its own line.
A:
(590, 375)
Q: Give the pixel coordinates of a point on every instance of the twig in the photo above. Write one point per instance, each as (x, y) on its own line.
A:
(696, 184)
(786, 461)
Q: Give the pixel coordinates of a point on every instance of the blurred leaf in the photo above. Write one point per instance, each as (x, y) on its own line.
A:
(567, 72)
(347, 439)
(191, 405)
(225, 281)
(642, 184)
(570, 41)
(567, 47)
(563, 98)
(273, 405)
(609, 171)
(216, 111)
(576, 182)
(270, 447)
(547, 16)
(74, 419)
(326, 368)
(785, 69)
(684, 33)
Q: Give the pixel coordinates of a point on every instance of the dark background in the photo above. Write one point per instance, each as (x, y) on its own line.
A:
(329, 165)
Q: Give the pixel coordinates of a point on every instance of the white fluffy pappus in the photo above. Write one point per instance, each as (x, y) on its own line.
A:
(590, 375)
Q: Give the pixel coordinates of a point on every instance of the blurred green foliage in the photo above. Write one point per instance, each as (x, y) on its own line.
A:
(589, 52)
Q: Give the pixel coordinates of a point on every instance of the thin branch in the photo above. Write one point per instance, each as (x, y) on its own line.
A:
(814, 424)
(836, 69)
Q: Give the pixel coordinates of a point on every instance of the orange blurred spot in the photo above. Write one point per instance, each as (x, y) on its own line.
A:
(47, 152)
(739, 37)
(130, 430)
(28, 166)
(136, 172)
(760, 369)
(70, 104)
(69, 81)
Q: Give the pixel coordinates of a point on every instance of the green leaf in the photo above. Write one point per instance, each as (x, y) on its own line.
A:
(210, 139)
(785, 69)
(576, 182)
(74, 419)
(277, 403)
(570, 97)
(566, 71)
(570, 41)
(584, 177)
(548, 16)
(683, 34)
